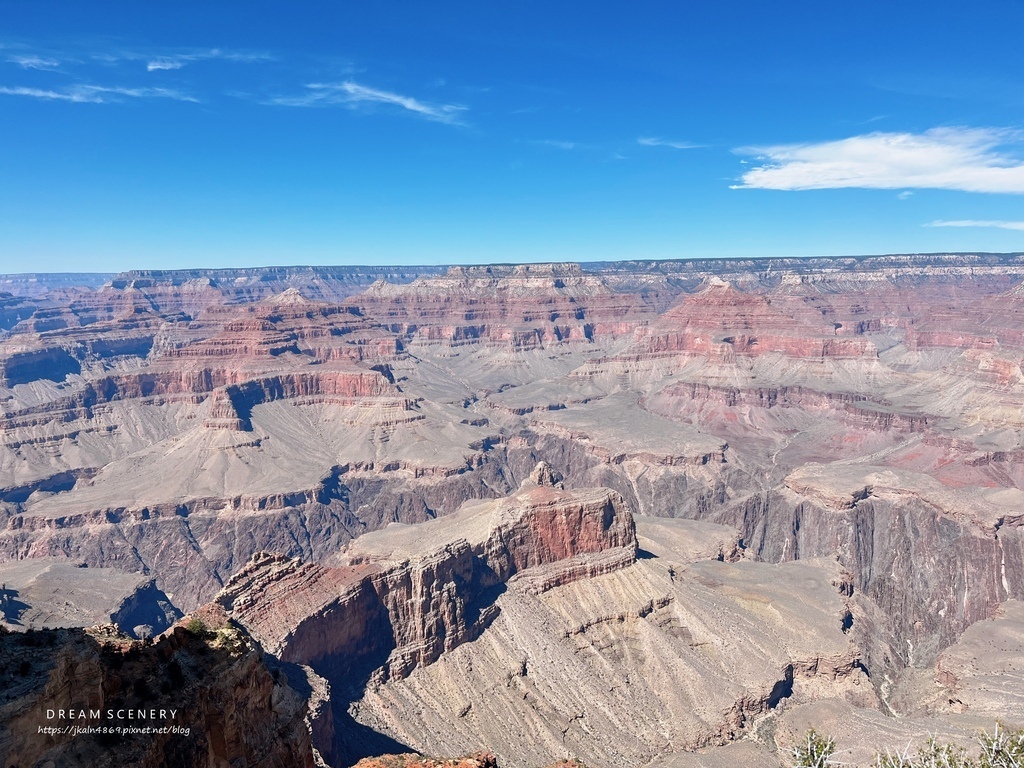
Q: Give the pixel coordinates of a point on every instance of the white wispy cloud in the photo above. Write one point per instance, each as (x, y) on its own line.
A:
(354, 95)
(965, 159)
(96, 94)
(556, 144)
(650, 141)
(1018, 225)
(906, 194)
(156, 63)
(157, 60)
(160, 64)
(34, 62)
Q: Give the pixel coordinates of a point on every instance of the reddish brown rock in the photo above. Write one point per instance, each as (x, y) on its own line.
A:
(476, 760)
(412, 593)
(522, 307)
(219, 701)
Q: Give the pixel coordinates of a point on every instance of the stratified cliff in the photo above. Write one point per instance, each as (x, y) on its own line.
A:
(513, 623)
(409, 594)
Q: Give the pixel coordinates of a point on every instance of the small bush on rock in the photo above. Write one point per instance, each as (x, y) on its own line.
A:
(1003, 748)
(814, 751)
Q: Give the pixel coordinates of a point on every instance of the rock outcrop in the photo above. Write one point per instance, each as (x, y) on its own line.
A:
(200, 697)
(429, 583)
(678, 651)
(409, 594)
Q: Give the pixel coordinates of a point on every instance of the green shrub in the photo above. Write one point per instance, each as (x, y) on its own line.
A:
(1002, 748)
(931, 755)
(197, 627)
(814, 751)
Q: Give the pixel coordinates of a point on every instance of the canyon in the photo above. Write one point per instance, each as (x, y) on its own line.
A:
(663, 513)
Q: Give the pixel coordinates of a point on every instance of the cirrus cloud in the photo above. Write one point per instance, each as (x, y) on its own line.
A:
(96, 94)
(34, 62)
(650, 141)
(162, 64)
(1018, 225)
(353, 95)
(556, 144)
(965, 159)
(179, 60)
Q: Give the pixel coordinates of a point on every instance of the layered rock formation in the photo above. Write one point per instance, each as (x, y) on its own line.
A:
(407, 595)
(521, 307)
(622, 667)
(172, 425)
(14, 309)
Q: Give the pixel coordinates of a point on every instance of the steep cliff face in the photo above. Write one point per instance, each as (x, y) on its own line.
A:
(243, 389)
(418, 628)
(722, 321)
(52, 363)
(933, 558)
(520, 307)
(620, 667)
(207, 701)
(564, 535)
(194, 546)
(930, 575)
(14, 309)
(415, 592)
(411, 594)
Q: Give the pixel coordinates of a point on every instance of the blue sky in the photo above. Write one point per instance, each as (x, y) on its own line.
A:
(142, 135)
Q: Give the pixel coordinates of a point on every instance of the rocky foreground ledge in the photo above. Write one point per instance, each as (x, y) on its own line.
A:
(203, 694)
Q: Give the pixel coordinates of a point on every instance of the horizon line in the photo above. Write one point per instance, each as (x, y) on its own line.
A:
(444, 265)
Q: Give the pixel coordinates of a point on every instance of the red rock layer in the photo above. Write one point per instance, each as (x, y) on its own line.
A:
(524, 307)
(476, 760)
(721, 321)
(393, 616)
(854, 410)
(235, 391)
